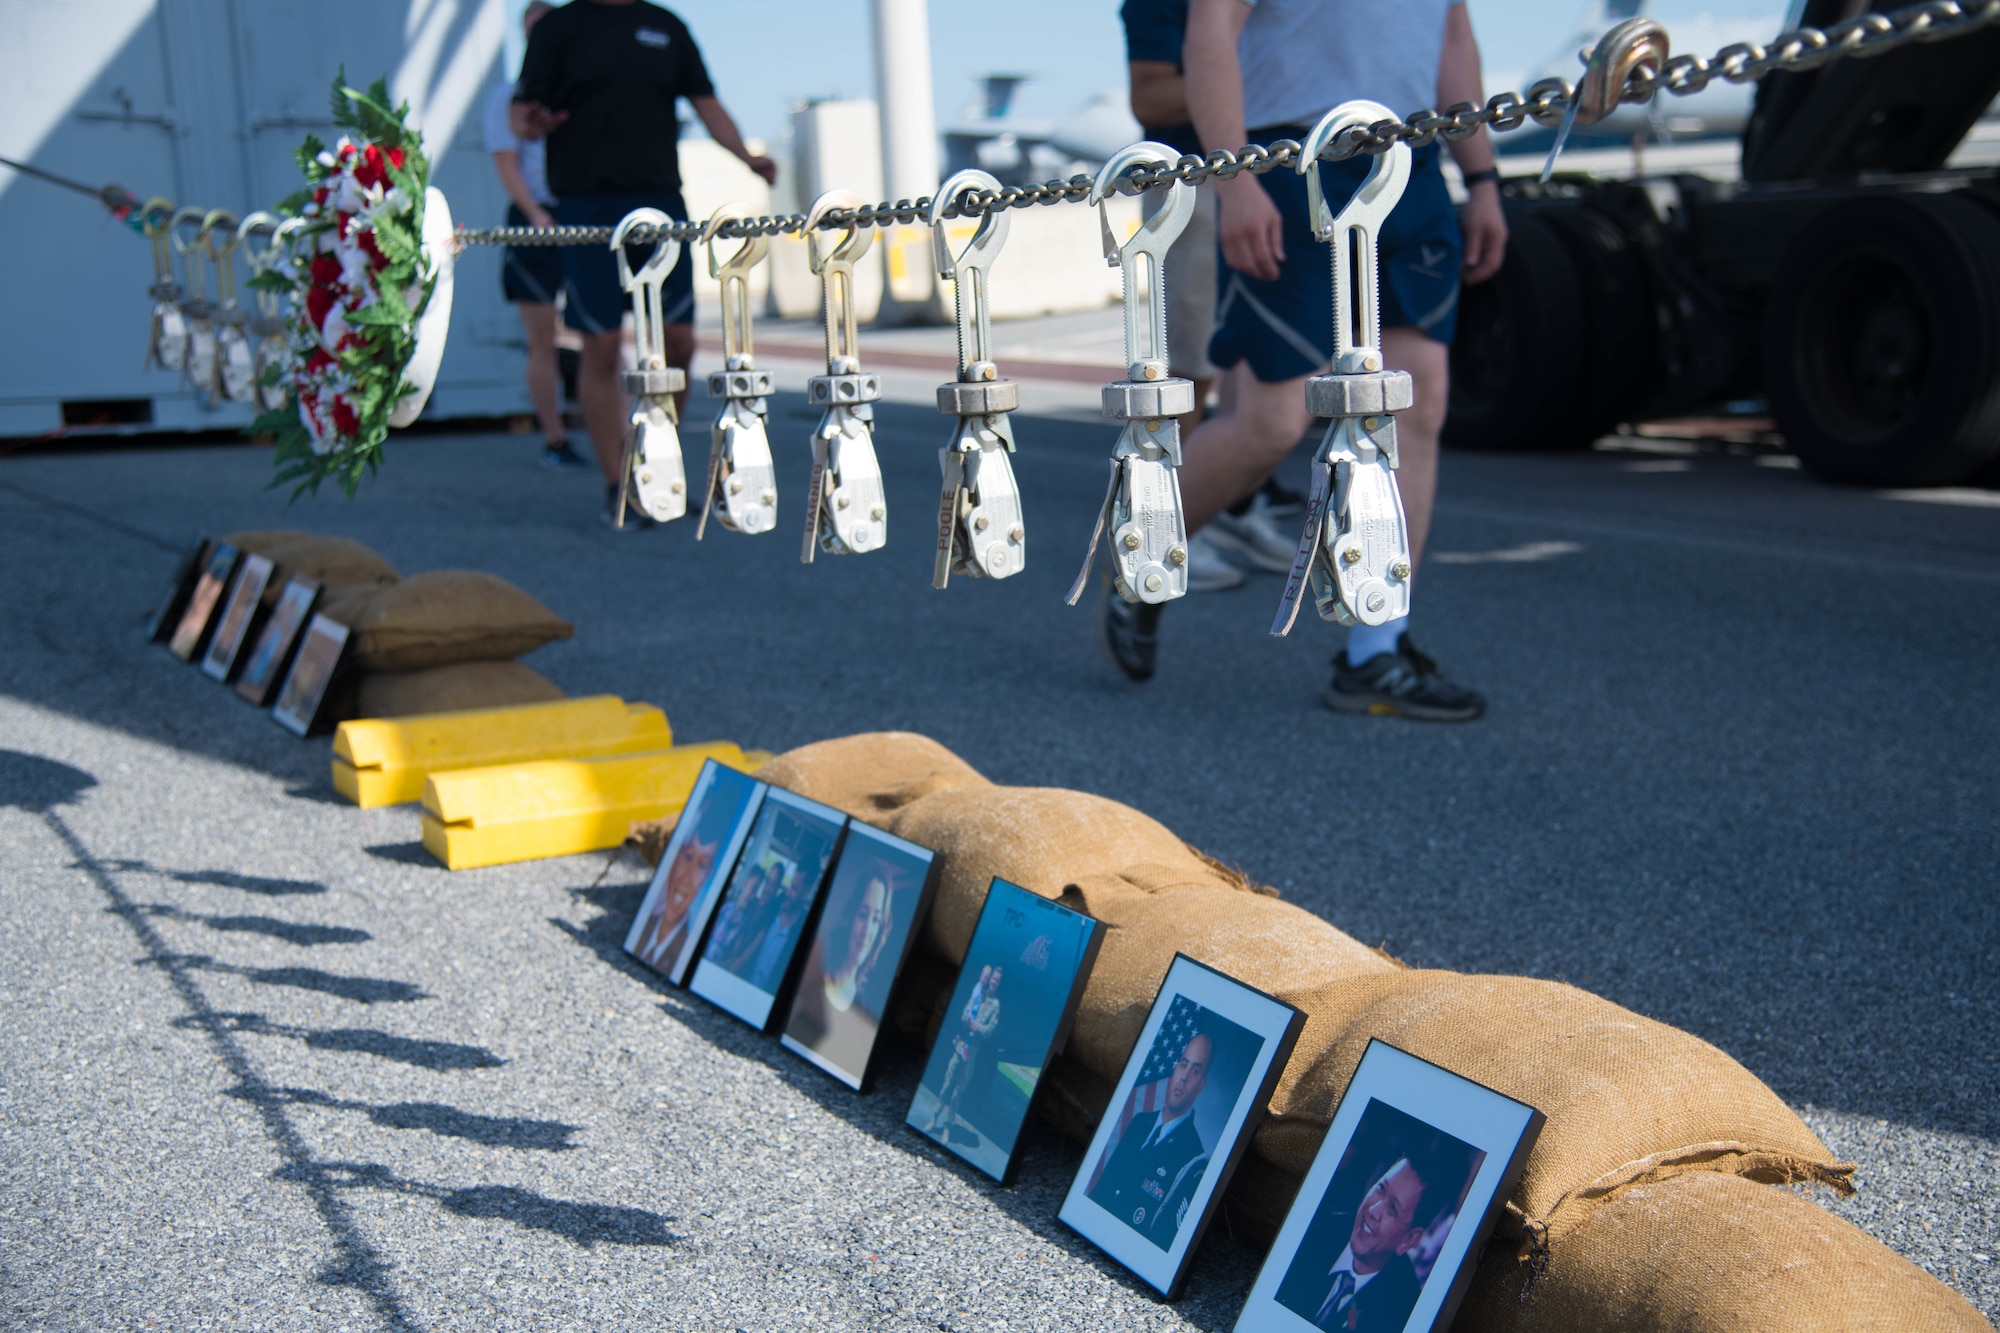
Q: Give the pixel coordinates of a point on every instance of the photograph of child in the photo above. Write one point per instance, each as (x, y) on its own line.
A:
(762, 917)
(281, 631)
(1381, 1224)
(246, 594)
(312, 671)
(1172, 1123)
(878, 894)
(698, 858)
(1007, 1017)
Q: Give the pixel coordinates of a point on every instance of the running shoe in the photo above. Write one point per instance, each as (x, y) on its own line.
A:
(561, 456)
(1282, 502)
(1254, 538)
(1131, 634)
(1208, 569)
(1404, 683)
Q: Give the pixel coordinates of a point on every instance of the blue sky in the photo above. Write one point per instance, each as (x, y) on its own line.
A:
(1072, 49)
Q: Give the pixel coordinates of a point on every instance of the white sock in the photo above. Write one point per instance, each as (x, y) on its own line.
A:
(1366, 641)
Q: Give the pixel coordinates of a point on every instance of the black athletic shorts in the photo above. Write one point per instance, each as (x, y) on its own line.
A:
(530, 273)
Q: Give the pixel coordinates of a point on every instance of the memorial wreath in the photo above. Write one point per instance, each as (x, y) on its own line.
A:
(359, 279)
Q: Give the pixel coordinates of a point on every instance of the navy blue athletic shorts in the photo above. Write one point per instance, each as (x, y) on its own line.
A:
(1284, 328)
(590, 272)
(530, 274)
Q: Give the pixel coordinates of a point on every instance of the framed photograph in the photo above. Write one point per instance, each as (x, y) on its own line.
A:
(313, 669)
(1388, 1225)
(275, 642)
(1009, 1015)
(166, 613)
(880, 890)
(747, 960)
(707, 839)
(1179, 1120)
(192, 630)
(239, 612)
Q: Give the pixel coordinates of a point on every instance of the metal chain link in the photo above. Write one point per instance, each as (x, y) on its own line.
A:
(1801, 49)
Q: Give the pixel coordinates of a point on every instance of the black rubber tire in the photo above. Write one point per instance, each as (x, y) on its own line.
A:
(1881, 342)
(1621, 352)
(1518, 354)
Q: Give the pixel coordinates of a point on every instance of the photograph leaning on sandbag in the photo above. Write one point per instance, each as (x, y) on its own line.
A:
(1055, 883)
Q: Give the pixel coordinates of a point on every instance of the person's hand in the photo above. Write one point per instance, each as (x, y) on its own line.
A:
(535, 121)
(539, 216)
(1250, 228)
(764, 167)
(1485, 228)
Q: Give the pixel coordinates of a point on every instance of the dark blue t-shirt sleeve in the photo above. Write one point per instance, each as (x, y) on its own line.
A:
(539, 65)
(694, 72)
(1154, 29)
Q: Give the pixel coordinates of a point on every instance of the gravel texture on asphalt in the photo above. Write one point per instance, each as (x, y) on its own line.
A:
(267, 1066)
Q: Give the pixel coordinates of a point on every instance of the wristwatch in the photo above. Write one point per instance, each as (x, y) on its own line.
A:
(1472, 178)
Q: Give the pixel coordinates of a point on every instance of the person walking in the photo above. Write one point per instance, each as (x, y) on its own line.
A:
(531, 275)
(1263, 70)
(601, 83)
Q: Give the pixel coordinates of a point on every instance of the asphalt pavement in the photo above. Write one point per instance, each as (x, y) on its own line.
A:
(266, 1065)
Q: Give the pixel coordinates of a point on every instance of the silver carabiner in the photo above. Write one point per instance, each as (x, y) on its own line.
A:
(197, 311)
(654, 476)
(980, 528)
(1355, 550)
(235, 359)
(267, 327)
(742, 482)
(846, 509)
(1142, 503)
(167, 338)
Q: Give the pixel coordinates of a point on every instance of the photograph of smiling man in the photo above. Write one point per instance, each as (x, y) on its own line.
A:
(697, 862)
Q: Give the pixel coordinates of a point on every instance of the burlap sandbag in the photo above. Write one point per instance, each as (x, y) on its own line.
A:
(872, 774)
(1628, 1099)
(1713, 1253)
(341, 564)
(446, 616)
(264, 541)
(452, 689)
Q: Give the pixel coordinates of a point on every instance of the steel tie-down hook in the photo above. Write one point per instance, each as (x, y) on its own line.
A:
(742, 482)
(846, 508)
(197, 311)
(267, 326)
(1142, 504)
(1629, 46)
(655, 475)
(167, 338)
(980, 528)
(235, 359)
(1355, 550)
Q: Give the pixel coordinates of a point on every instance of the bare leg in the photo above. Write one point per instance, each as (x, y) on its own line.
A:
(605, 408)
(677, 344)
(538, 320)
(1230, 456)
(1429, 364)
(1189, 420)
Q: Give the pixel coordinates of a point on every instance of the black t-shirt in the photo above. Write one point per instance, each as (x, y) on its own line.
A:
(618, 70)
(1154, 30)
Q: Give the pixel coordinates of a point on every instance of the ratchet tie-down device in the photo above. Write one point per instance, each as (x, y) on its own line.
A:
(847, 511)
(654, 478)
(980, 532)
(1355, 551)
(742, 491)
(1142, 504)
(167, 340)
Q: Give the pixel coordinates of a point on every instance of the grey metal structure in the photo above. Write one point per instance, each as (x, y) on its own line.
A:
(203, 101)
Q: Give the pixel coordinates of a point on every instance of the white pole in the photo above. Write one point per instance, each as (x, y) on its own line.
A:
(903, 89)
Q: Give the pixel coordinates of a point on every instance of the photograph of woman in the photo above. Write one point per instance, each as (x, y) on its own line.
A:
(877, 897)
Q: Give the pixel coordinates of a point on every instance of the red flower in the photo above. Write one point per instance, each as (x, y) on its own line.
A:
(319, 196)
(396, 156)
(318, 361)
(325, 270)
(344, 419)
(319, 300)
(366, 240)
(368, 171)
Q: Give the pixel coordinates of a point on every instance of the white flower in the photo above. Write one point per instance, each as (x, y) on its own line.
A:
(347, 196)
(333, 330)
(325, 159)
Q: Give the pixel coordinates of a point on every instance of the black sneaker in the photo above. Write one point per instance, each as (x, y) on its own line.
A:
(562, 456)
(1404, 683)
(1131, 634)
(1281, 502)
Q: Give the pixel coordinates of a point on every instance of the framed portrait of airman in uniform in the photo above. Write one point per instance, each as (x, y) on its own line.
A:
(1179, 1120)
(1390, 1219)
(273, 651)
(239, 614)
(191, 630)
(666, 933)
(166, 613)
(313, 670)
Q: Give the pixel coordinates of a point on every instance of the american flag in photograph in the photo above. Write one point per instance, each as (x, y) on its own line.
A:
(1183, 1020)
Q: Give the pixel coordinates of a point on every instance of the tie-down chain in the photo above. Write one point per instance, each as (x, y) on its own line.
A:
(1355, 550)
(847, 510)
(742, 483)
(1142, 504)
(654, 477)
(980, 528)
